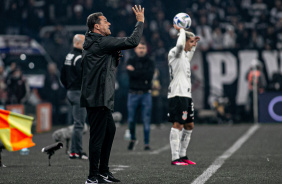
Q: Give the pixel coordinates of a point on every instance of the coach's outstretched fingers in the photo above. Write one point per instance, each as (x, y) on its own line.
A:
(139, 12)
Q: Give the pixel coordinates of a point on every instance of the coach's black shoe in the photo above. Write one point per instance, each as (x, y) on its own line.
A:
(92, 180)
(132, 144)
(97, 179)
(108, 176)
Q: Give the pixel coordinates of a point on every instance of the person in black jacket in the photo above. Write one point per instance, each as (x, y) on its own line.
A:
(141, 70)
(100, 58)
(71, 79)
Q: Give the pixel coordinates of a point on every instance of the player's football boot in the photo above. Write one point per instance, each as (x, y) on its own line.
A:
(178, 162)
(186, 160)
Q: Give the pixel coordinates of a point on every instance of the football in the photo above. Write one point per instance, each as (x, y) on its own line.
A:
(182, 20)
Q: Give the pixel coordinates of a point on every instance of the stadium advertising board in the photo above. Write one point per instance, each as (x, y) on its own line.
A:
(224, 73)
(270, 107)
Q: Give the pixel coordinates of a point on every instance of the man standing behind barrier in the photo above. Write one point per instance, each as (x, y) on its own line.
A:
(71, 79)
(100, 58)
(140, 69)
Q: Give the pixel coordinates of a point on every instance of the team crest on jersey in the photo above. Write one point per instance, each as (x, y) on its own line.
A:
(184, 116)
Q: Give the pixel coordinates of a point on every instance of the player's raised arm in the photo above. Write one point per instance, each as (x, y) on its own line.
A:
(180, 44)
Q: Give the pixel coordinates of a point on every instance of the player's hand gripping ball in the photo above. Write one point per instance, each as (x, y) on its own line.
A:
(182, 20)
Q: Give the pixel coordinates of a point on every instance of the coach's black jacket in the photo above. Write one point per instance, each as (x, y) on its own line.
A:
(99, 61)
(140, 79)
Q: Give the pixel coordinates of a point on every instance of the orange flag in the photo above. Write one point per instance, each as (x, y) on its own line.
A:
(15, 130)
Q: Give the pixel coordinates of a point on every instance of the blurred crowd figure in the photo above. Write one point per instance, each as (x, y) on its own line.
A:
(255, 76)
(14, 88)
(140, 70)
(53, 92)
(221, 24)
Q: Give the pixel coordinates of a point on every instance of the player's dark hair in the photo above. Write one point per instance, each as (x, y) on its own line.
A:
(93, 19)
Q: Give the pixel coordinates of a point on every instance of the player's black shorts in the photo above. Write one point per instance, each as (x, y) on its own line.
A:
(181, 110)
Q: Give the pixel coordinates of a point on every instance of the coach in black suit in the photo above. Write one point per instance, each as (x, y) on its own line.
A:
(99, 61)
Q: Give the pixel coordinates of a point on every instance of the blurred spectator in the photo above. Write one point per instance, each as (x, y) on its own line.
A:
(14, 11)
(3, 92)
(276, 12)
(242, 39)
(270, 39)
(256, 41)
(10, 69)
(140, 70)
(28, 16)
(61, 39)
(17, 88)
(217, 38)
(275, 83)
(59, 11)
(201, 7)
(216, 15)
(205, 33)
(279, 34)
(33, 18)
(257, 9)
(77, 17)
(255, 76)
(53, 92)
(229, 38)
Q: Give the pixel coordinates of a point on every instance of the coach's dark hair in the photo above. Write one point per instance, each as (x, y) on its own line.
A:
(93, 19)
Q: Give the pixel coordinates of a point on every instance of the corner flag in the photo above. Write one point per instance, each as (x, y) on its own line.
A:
(15, 130)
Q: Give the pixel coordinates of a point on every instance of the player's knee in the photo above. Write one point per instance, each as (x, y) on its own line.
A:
(177, 126)
(189, 126)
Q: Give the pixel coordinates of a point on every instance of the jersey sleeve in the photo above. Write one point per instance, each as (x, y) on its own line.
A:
(180, 44)
(171, 54)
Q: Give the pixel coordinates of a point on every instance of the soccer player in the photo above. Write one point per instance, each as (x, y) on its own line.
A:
(181, 108)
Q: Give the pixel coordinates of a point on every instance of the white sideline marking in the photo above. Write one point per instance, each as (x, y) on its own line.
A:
(221, 159)
(118, 168)
(158, 151)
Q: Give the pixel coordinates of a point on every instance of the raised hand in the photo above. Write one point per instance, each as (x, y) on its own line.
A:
(139, 12)
(197, 38)
(176, 27)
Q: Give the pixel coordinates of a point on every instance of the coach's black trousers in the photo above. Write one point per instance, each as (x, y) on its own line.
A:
(102, 133)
